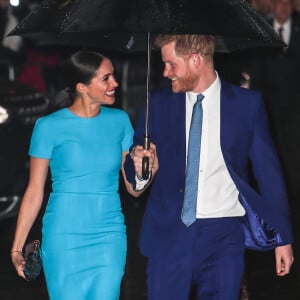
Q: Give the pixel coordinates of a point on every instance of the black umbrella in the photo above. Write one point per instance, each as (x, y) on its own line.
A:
(122, 24)
(232, 19)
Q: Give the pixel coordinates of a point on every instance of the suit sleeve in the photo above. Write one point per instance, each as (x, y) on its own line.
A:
(137, 140)
(267, 168)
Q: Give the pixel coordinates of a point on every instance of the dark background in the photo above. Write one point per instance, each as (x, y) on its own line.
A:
(130, 70)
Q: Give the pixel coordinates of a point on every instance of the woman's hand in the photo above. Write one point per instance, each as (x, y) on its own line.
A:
(29, 209)
(18, 262)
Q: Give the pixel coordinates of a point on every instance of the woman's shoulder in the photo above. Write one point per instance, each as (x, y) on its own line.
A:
(61, 113)
(53, 117)
(116, 112)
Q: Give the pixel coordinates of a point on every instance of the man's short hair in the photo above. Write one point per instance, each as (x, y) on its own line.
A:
(188, 43)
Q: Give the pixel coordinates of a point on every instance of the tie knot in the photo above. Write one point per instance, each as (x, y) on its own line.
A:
(200, 97)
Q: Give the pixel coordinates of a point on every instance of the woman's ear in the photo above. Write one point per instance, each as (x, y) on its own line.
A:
(80, 88)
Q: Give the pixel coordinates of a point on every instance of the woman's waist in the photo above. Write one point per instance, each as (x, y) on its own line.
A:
(86, 194)
(104, 200)
(85, 187)
(75, 212)
(88, 204)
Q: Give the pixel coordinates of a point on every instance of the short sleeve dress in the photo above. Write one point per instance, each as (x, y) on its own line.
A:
(83, 234)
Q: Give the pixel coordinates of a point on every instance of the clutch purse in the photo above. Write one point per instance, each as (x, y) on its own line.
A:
(33, 265)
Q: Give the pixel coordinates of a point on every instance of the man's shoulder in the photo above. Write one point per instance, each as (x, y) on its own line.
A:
(232, 88)
(295, 21)
(164, 95)
(167, 91)
(240, 97)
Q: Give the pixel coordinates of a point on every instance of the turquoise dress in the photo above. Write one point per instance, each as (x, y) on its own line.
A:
(83, 234)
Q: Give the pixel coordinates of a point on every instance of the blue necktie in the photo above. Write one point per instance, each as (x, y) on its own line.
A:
(188, 215)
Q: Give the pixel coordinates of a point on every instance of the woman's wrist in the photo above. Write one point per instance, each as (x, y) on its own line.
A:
(16, 251)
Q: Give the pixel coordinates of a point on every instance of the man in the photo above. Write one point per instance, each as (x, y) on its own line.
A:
(281, 21)
(277, 75)
(208, 249)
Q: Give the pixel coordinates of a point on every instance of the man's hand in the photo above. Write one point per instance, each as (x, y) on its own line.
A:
(284, 259)
(137, 155)
(245, 81)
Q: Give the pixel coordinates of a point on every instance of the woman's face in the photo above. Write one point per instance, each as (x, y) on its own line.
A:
(102, 87)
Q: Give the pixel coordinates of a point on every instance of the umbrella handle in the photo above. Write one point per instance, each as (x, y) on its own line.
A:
(145, 162)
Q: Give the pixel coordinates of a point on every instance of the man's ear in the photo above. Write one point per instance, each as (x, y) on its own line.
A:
(195, 59)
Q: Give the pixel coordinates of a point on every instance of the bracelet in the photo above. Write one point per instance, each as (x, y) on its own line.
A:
(16, 251)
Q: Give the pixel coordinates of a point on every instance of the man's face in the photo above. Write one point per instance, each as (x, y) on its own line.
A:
(264, 6)
(4, 4)
(282, 10)
(178, 69)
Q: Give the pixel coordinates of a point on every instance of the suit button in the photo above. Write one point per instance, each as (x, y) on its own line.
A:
(181, 190)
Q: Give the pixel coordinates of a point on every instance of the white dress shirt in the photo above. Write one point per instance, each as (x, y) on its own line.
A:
(217, 194)
(286, 32)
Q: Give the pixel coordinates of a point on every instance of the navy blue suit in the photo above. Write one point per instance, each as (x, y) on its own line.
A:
(245, 137)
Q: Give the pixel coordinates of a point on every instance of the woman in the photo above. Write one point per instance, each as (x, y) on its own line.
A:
(85, 144)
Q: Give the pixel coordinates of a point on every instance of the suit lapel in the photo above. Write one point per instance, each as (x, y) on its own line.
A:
(180, 131)
(295, 33)
(225, 111)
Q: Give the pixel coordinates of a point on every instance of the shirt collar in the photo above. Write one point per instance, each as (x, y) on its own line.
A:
(285, 25)
(211, 90)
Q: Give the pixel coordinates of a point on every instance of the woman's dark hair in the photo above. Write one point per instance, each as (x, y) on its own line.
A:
(80, 67)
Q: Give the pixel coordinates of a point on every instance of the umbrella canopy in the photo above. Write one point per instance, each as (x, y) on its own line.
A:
(234, 21)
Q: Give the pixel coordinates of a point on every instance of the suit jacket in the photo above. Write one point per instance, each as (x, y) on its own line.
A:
(245, 137)
(276, 71)
(276, 74)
